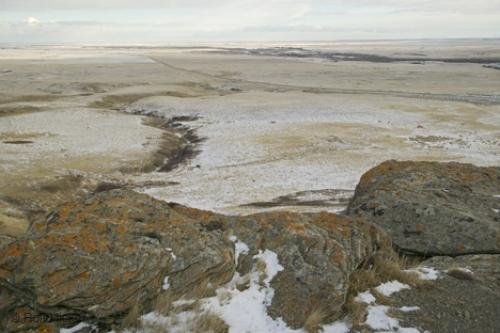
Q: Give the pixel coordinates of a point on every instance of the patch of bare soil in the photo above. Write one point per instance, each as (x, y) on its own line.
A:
(118, 102)
(15, 110)
(28, 98)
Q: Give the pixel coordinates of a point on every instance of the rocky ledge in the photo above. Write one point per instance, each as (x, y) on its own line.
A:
(114, 256)
(433, 208)
(97, 259)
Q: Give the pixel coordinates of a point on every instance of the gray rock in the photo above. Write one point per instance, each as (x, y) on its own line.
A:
(456, 302)
(433, 208)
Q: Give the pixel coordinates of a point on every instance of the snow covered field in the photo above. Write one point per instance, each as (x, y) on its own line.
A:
(273, 126)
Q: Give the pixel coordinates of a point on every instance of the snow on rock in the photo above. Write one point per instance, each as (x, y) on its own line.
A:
(391, 287)
(380, 321)
(409, 308)
(239, 248)
(183, 302)
(166, 283)
(242, 310)
(365, 297)
(252, 302)
(172, 254)
(341, 326)
(425, 273)
(377, 317)
(76, 328)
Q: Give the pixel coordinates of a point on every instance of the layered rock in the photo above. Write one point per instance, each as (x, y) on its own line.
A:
(98, 258)
(318, 252)
(433, 208)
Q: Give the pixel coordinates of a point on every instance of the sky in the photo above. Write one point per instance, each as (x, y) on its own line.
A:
(176, 21)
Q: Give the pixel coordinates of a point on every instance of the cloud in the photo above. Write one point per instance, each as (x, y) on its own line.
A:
(32, 21)
(148, 21)
(462, 6)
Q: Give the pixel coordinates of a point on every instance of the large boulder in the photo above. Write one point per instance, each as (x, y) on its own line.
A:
(318, 252)
(98, 258)
(432, 208)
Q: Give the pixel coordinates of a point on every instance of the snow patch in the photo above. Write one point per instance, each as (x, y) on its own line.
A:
(76, 328)
(378, 319)
(337, 327)
(425, 273)
(166, 283)
(172, 254)
(239, 248)
(409, 308)
(183, 302)
(365, 297)
(242, 310)
(389, 288)
(377, 315)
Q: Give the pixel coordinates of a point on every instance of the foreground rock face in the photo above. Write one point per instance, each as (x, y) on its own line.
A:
(433, 208)
(318, 253)
(97, 258)
(465, 297)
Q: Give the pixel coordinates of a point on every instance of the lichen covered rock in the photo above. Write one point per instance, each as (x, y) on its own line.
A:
(98, 258)
(433, 208)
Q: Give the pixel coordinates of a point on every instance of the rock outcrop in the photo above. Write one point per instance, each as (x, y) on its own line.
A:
(98, 258)
(318, 252)
(432, 208)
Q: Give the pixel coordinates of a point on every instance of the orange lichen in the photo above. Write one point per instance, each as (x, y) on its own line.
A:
(46, 328)
(297, 227)
(14, 250)
(57, 277)
(65, 211)
(4, 273)
(122, 228)
(382, 168)
(335, 223)
(338, 257)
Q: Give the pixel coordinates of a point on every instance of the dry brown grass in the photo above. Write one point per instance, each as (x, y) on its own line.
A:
(260, 265)
(315, 320)
(120, 101)
(28, 98)
(6, 111)
(13, 226)
(460, 273)
(131, 320)
(164, 303)
(210, 323)
(383, 267)
(12, 135)
(381, 298)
